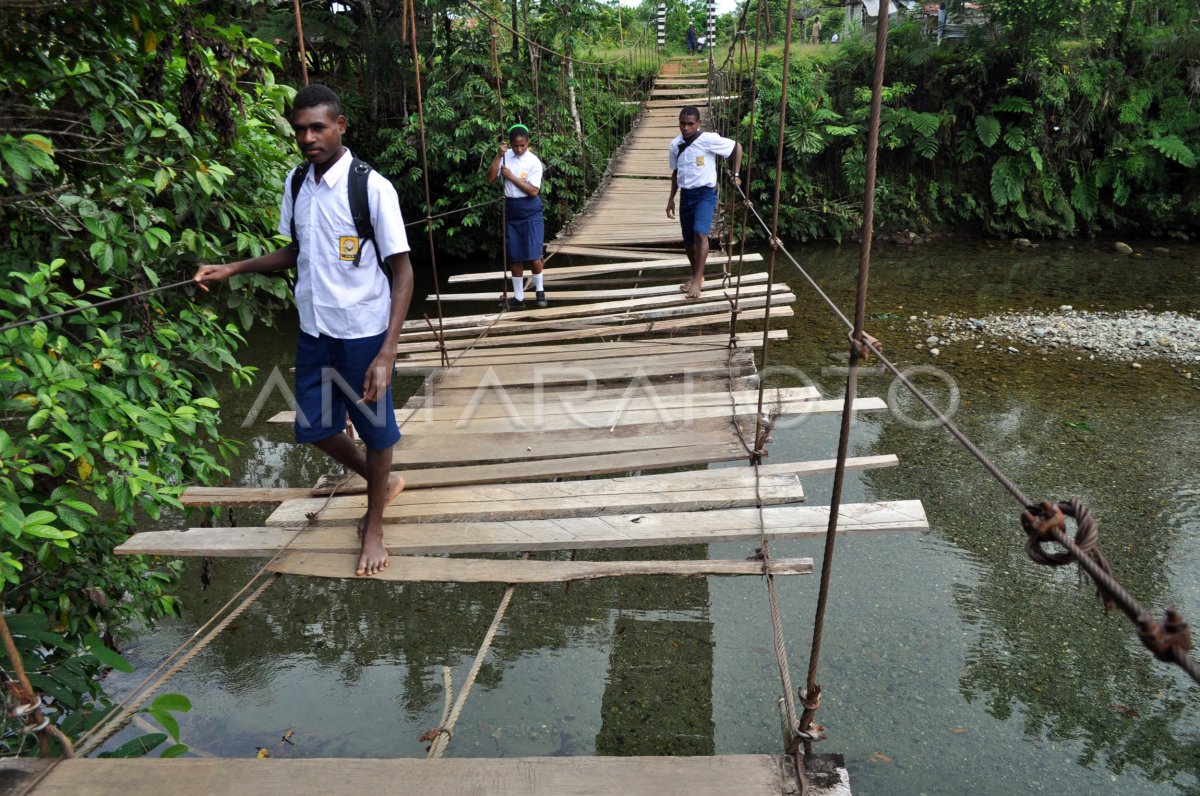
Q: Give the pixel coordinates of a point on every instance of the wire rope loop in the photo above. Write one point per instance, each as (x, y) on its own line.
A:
(1042, 521)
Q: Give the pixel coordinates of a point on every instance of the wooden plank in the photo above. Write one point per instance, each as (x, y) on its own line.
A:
(608, 531)
(658, 326)
(676, 309)
(564, 272)
(589, 349)
(710, 286)
(532, 501)
(741, 401)
(436, 422)
(436, 395)
(265, 496)
(556, 247)
(602, 308)
(680, 417)
(525, 447)
(566, 467)
(468, 570)
(196, 496)
(745, 775)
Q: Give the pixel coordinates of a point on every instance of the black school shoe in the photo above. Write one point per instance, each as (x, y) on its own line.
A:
(540, 299)
(514, 304)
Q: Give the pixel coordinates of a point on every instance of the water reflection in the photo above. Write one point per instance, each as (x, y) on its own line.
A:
(952, 664)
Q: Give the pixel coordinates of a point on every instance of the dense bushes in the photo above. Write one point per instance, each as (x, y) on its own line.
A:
(1053, 135)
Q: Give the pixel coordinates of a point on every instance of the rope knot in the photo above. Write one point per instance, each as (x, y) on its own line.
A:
(1168, 639)
(1046, 522)
(866, 347)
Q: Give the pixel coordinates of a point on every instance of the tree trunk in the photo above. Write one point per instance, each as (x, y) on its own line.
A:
(516, 50)
(575, 117)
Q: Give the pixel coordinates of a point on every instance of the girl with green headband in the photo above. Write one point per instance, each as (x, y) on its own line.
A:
(524, 229)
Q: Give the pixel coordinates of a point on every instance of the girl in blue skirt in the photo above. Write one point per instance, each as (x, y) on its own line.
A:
(524, 230)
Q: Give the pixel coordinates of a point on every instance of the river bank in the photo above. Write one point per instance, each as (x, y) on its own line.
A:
(1132, 336)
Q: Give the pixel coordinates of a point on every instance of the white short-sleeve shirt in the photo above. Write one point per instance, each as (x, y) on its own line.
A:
(527, 167)
(335, 297)
(697, 168)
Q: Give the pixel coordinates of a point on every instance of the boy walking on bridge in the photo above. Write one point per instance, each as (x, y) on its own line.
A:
(692, 158)
(352, 293)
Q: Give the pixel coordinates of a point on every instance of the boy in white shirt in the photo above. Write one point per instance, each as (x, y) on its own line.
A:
(351, 312)
(692, 158)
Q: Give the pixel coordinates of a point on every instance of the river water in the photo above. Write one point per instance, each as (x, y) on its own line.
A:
(951, 663)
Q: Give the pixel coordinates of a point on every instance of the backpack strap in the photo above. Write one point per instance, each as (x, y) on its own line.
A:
(360, 208)
(297, 182)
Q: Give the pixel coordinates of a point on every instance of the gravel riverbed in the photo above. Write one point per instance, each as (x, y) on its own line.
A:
(1129, 336)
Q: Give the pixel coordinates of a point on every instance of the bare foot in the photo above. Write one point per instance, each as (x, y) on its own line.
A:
(395, 487)
(694, 289)
(685, 287)
(374, 556)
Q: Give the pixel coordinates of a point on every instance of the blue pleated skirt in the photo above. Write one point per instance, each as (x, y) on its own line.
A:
(525, 230)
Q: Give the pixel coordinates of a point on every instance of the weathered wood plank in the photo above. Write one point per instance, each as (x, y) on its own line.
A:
(622, 305)
(673, 418)
(584, 417)
(745, 775)
(658, 326)
(467, 570)
(587, 349)
(634, 495)
(568, 467)
(555, 247)
(567, 271)
(711, 286)
(607, 531)
(265, 496)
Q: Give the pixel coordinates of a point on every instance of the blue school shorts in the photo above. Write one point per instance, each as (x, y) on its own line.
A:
(329, 381)
(696, 208)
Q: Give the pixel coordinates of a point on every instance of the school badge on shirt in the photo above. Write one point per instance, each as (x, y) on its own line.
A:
(700, 161)
(348, 247)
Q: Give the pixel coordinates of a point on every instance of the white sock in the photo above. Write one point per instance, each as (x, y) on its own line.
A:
(537, 283)
(518, 288)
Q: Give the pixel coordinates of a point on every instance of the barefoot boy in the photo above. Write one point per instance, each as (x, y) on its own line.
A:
(692, 158)
(351, 311)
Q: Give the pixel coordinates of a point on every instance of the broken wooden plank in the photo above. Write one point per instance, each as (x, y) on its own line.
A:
(474, 570)
(607, 531)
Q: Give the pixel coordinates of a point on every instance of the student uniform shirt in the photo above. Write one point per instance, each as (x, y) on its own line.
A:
(527, 167)
(697, 168)
(335, 297)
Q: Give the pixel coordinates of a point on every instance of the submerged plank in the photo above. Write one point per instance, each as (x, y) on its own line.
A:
(468, 570)
(745, 775)
(607, 531)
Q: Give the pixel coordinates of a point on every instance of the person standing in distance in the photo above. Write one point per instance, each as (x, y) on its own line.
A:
(692, 159)
(525, 228)
(351, 311)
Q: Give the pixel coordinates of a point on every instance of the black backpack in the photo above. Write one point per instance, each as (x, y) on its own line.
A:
(360, 209)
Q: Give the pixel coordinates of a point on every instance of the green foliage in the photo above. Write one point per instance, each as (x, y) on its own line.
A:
(67, 678)
(463, 131)
(1054, 120)
(139, 138)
